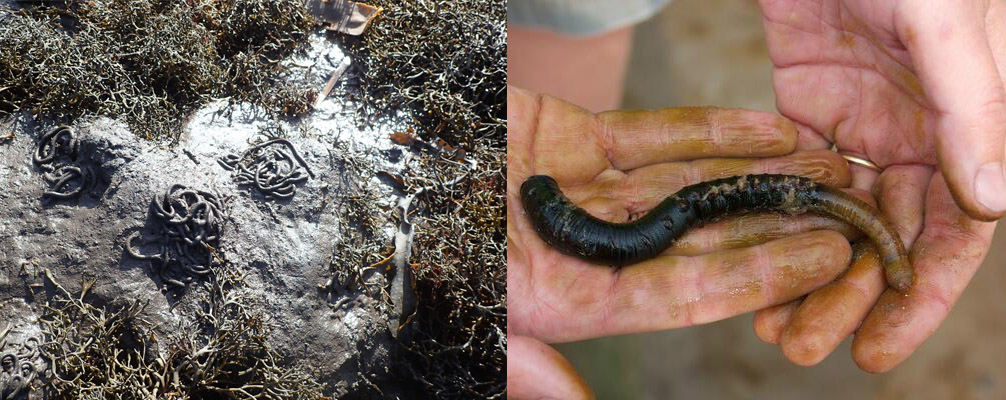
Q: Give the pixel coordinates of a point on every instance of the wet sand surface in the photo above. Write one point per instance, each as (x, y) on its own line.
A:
(699, 52)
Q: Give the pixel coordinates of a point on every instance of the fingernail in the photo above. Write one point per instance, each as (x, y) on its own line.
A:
(990, 186)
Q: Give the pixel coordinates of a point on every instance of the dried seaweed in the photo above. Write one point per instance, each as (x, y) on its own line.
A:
(228, 353)
(362, 246)
(96, 353)
(456, 341)
(453, 345)
(445, 60)
(110, 353)
(150, 62)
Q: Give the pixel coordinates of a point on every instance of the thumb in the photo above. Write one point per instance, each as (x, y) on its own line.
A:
(949, 46)
(534, 370)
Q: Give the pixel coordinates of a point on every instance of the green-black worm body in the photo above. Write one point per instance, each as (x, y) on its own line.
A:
(572, 230)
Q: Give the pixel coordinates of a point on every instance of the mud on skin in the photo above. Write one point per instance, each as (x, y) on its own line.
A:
(573, 231)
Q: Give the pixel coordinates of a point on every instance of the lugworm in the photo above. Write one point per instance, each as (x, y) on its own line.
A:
(572, 230)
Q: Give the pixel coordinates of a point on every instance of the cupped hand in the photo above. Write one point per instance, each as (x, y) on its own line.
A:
(618, 165)
(916, 87)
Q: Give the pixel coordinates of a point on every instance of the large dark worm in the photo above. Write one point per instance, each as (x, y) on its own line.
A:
(572, 230)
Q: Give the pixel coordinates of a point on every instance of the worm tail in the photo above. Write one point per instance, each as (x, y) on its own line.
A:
(840, 205)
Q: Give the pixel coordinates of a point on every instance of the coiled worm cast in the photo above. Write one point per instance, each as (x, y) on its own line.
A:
(572, 230)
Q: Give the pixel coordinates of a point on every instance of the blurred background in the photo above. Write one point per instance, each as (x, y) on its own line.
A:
(712, 52)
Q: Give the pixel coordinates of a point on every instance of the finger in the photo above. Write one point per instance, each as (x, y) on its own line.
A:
(901, 193)
(521, 105)
(863, 178)
(642, 189)
(670, 292)
(968, 96)
(565, 141)
(832, 313)
(521, 111)
(808, 139)
(995, 23)
(637, 138)
(753, 229)
(769, 323)
(816, 96)
(573, 145)
(537, 371)
(945, 257)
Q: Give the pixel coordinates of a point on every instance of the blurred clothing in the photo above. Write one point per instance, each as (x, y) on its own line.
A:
(580, 17)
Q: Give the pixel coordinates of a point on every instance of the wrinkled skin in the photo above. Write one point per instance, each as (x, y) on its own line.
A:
(618, 165)
(914, 86)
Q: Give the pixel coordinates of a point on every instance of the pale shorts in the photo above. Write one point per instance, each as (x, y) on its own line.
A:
(580, 17)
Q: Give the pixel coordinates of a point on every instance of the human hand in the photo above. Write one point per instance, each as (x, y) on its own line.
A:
(916, 88)
(618, 165)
